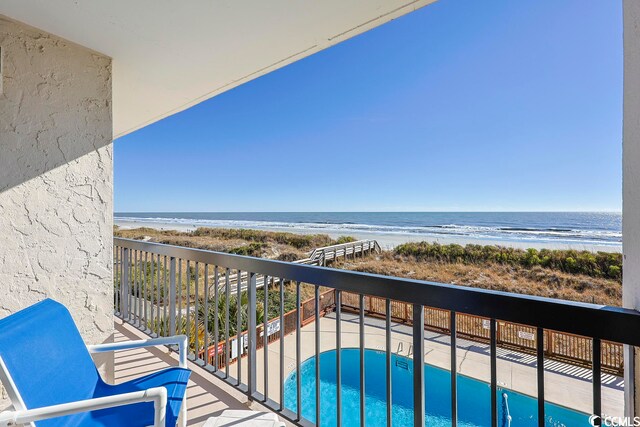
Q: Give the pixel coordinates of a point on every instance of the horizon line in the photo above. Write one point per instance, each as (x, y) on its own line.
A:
(385, 211)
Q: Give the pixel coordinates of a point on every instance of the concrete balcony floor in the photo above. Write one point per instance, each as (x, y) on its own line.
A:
(207, 395)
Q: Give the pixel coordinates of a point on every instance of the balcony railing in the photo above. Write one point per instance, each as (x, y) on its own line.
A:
(167, 289)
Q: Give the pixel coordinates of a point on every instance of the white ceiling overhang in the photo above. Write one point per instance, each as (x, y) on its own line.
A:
(170, 55)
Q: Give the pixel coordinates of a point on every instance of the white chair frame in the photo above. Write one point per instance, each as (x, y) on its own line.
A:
(157, 395)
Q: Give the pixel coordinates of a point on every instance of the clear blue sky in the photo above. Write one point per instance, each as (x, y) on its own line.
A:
(463, 105)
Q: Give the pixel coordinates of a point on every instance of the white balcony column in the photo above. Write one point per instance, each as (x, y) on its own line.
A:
(56, 179)
(631, 190)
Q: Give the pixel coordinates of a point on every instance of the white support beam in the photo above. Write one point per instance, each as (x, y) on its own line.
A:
(631, 188)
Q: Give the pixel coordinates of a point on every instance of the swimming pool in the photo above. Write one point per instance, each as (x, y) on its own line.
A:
(473, 395)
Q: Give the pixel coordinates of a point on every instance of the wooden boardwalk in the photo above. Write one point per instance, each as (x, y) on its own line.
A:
(320, 256)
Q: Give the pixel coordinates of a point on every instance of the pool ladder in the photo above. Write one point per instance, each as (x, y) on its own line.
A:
(399, 362)
(506, 415)
(402, 364)
(401, 349)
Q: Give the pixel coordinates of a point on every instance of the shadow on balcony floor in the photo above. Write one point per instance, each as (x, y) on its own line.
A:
(206, 395)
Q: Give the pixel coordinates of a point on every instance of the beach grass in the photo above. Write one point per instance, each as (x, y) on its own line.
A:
(530, 280)
(594, 277)
(266, 244)
(598, 264)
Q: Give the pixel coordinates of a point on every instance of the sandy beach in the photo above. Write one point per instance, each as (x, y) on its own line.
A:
(387, 240)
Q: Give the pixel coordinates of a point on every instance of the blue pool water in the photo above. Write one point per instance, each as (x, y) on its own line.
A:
(473, 395)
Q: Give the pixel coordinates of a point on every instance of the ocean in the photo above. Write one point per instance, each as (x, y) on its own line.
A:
(578, 230)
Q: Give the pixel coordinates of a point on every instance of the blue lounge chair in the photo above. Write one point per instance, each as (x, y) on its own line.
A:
(53, 382)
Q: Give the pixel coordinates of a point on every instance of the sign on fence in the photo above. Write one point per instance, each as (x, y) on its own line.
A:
(212, 350)
(273, 327)
(526, 335)
(244, 345)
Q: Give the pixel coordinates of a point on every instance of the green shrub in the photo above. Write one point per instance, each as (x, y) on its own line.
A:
(571, 265)
(298, 241)
(252, 249)
(344, 239)
(531, 258)
(599, 264)
(614, 272)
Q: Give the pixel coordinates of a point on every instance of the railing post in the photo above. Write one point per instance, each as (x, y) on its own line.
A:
(172, 296)
(418, 365)
(251, 335)
(124, 310)
(596, 354)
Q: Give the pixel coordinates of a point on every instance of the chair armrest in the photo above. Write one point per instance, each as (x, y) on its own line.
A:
(180, 340)
(157, 395)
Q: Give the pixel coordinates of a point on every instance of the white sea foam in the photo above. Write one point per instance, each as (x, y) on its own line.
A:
(549, 234)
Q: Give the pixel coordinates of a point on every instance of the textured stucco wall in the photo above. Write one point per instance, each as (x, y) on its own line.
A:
(56, 202)
(631, 187)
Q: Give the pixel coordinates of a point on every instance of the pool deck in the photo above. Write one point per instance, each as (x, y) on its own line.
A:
(565, 385)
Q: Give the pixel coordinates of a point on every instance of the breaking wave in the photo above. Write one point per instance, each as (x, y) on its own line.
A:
(561, 234)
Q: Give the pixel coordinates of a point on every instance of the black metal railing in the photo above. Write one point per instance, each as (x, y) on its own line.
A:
(166, 289)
